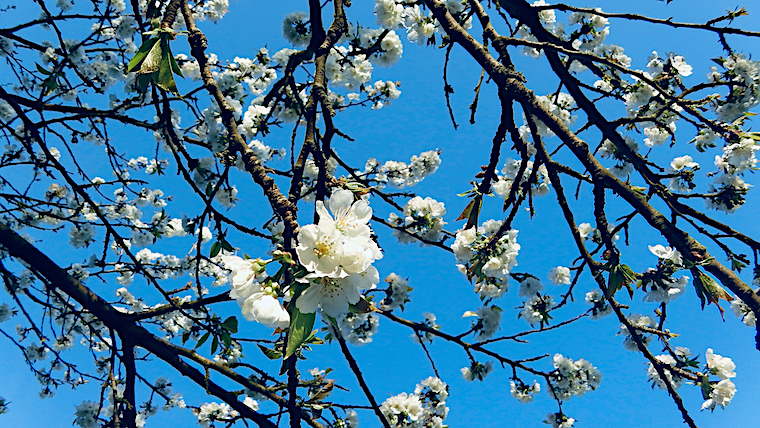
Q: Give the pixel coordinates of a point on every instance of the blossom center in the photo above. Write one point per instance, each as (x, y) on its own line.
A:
(323, 247)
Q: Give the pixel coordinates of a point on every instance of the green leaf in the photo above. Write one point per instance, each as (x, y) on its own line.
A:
(719, 61)
(313, 339)
(214, 345)
(737, 265)
(226, 245)
(43, 70)
(230, 324)
(226, 339)
(215, 249)
(709, 290)
(185, 336)
(271, 353)
(620, 275)
(142, 82)
(50, 84)
(165, 74)
(202, 340)
(175, 67)
(300, 328)
(467, 210)
(145, 48)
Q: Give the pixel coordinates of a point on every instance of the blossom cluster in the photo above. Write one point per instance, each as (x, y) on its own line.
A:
(572, 378)
(256, 294)
(487, 321)
(658, 282)
(729, 187)
(523, 391)
(537, 183)
(483, 254)
(420, 27)
(636, 320)
(422, 218)
(400, 174)
(358, 329)
(338, 253)
(723, 391)
(426, 408)
(477, 371)
(397, 293)
(743, 311)
(679, 359)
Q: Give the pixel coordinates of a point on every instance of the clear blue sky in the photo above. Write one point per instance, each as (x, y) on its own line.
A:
(416, 122)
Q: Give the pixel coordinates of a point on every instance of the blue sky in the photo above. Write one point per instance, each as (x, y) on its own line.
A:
(416, 122)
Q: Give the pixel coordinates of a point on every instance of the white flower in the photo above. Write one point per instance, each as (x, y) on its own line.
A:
(398, 293)
(496, 259)
(743, 312)
(334, 295)
(5, 312)
(573, 377)
(721, 395)
(489, 319)
(207, 413)
(296, 30)
(665, 290)
(87, 414)
(560, 275)
(682, 162)
(679, 63)
(636, 320)
(601, 308)
(667, 253)
(558, 420)
(655, 378)
(585, 229)
(257, 303)
(251, 403)
(524, 392)
(476, 371)
(358, 329)
(421, 217)
(351, 217)
(536, 309)
(320, 248)
(721, 366)
(530, 286)
(403, 410)
(265, 309)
